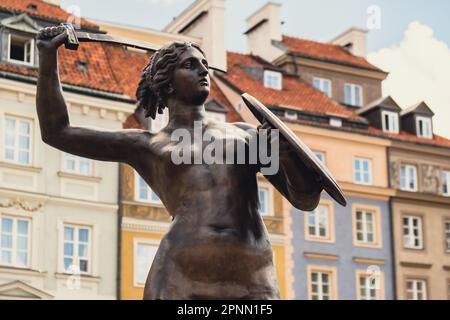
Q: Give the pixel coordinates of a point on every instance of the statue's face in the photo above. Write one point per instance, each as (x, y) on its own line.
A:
(190, 81)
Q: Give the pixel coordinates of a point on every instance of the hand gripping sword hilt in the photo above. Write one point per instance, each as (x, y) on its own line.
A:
(72, 42)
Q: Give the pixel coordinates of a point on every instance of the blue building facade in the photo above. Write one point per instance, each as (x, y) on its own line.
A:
(352, 259)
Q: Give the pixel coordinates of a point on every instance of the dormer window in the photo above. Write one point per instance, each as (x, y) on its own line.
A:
(273, 80)
(292, 115)
(323, 85)
(353, 95)
(390, 121)
(424, 128)
(20, 49)
(336, 122)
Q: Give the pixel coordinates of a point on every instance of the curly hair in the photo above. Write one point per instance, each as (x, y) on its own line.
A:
(152, 91)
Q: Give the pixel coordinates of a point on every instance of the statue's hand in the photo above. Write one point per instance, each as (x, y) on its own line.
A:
(283, 144)
(51, 38)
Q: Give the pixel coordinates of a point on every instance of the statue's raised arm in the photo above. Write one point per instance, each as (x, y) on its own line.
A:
(56, 130)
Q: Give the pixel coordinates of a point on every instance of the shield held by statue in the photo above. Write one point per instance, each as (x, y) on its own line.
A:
(304, 153)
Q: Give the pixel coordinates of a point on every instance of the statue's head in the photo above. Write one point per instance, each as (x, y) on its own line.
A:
(179, 71)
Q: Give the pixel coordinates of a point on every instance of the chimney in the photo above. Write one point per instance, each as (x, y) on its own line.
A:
(354, 40)
(204, 19)
(263, 27)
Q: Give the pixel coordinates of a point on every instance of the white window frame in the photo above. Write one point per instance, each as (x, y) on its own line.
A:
(136, 243)
(332, 277)
(336, 122)
(290, 114)
(408, 229)
(67, 156)
(364, 225)
(322, 210)
(14, 250)
(365, 293)
(446, 183)
(407, 178)
(30, 41)
(16, 139)
(415, 290)
(360, 173)
(447, 235)
(321, 86)
(392, 123)
(352, 98)
(74, 257)
(273, 80)
(150, 192)
(269, 199)
(427, 127)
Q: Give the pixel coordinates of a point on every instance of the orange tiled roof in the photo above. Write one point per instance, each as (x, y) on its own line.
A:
(325, 51)
(296, 93)
(43, 10)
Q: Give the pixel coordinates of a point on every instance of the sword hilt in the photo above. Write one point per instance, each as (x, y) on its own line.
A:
(72, 42)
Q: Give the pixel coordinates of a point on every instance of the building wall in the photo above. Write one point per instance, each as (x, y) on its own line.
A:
(432, 263)
(342, 254)
(50, 197)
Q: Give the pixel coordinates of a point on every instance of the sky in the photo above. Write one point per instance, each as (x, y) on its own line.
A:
(408, 38)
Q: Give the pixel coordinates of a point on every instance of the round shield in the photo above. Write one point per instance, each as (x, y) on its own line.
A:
(261, 112)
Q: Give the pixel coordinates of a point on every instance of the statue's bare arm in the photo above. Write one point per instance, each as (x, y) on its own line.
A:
(293, 180)
(120, 146)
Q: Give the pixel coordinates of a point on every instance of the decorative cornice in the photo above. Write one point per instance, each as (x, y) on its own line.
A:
(20, 204)
(416, 265)
(320, 256)
(369, 261)
(79, 177)
(14, 166)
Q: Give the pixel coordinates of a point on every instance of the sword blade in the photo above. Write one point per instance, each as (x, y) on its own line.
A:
(97, 37)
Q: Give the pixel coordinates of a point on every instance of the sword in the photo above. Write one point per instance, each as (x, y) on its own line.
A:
(75, 37)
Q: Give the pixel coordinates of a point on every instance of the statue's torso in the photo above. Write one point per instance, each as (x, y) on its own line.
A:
(218, 245)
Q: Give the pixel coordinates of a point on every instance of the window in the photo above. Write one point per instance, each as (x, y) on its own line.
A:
(265, 208)
(291, 115)
(335, 122)
(319, 223)
(14, 241)
(424, 128)
(366, 227)
(320, 156)
(144, 254)
(369, 286)
(416, 290)
(446, 183)
(145, 193)
(20, 49)
(18, 137)
(408, 178)
(322, 283)
(412, 232)
(273, 80)
(77, 249)
(363, 171)
(390, 121)
(323, 85)
(353, 95)
(447, 235)
(160, 122)
(77, 165)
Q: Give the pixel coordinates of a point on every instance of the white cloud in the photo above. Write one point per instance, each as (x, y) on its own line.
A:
(419, 69)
